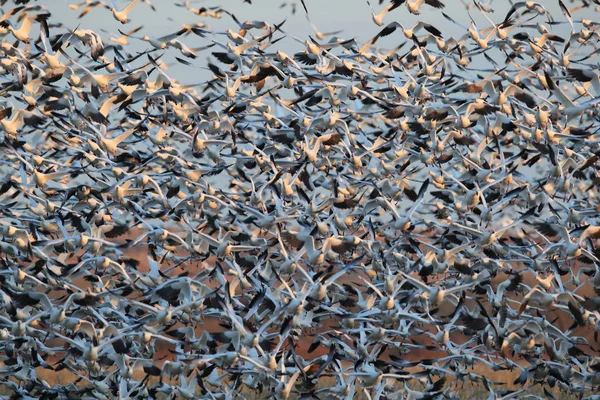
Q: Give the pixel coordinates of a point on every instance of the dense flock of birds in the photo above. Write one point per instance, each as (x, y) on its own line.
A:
(339, 221)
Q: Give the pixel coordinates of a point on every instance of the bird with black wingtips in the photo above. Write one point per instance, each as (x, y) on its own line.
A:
(201, 233)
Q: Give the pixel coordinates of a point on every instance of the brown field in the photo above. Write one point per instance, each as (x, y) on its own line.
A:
(467, 389)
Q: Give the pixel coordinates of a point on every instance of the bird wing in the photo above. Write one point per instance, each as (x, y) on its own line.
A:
(130, 6)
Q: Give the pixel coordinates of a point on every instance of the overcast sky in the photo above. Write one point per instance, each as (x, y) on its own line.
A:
(352, 17)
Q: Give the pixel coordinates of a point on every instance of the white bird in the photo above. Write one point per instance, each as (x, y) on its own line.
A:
(122, 15)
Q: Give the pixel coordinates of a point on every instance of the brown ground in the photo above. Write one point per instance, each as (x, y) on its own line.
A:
(563, 321)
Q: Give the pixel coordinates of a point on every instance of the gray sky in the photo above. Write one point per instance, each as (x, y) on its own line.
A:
(353, 17)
